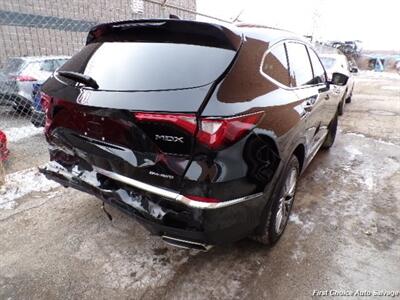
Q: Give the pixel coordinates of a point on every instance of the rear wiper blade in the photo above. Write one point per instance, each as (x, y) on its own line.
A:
(79, 77)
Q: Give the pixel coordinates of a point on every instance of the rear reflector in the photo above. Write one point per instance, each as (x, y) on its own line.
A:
(202, 199)
(215, 133)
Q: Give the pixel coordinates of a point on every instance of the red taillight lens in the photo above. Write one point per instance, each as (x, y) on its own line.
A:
(3, 138)
(24, 78)
(214, 133)
(45, 101)
(184, 121)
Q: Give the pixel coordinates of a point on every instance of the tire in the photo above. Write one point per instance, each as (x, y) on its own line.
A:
(277, 213)
(330, 137)
(348, 99)
(341, 108)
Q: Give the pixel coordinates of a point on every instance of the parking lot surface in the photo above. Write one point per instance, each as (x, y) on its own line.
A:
(343, 234)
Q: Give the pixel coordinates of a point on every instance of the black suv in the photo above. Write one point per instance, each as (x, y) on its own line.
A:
(198, 130)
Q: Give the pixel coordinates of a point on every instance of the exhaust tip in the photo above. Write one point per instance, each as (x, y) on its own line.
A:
(185, 244)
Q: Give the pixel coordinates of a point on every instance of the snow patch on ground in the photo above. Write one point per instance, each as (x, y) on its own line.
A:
(15, 134)
(378, 75)
(295, 219)
(391, 87)
(21, 183)
(353, 151)
(374, 139)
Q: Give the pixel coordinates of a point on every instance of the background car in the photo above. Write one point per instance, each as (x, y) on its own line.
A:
(4, 152)
(38, 113)
(340, 64)
(19, 75)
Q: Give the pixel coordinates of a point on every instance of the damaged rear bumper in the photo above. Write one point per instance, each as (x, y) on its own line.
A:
(164, 212)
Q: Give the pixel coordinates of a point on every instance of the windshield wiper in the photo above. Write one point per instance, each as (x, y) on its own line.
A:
(79, 77)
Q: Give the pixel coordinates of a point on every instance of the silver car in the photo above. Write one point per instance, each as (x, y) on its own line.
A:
(19, 76)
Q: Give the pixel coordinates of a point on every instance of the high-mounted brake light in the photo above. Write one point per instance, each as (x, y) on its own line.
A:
(24, 78)
(214, 133)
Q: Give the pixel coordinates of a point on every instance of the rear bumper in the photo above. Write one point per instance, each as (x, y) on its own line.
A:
(168, 214)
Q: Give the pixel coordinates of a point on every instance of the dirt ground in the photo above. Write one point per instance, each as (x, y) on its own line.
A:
(343, 235)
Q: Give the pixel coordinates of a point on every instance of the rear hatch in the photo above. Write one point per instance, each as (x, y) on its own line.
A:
(153, 77)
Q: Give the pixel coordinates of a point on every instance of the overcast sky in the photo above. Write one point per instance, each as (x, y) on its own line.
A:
(377, 26)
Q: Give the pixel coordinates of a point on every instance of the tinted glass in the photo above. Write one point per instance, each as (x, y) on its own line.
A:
(299, 63)
(59, 62)
(318, 69)
(150, 66)
(276, 65)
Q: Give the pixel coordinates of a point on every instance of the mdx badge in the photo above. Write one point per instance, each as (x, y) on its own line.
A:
(169, 138)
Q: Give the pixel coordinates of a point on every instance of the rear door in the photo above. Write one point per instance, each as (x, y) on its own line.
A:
(310, 92)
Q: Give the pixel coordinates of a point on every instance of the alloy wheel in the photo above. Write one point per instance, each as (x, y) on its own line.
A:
(286, 201)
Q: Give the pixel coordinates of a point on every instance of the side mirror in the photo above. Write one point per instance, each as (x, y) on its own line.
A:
(353, 70)
(339, 79)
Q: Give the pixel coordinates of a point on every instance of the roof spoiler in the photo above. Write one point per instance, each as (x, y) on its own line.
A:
(167, 30)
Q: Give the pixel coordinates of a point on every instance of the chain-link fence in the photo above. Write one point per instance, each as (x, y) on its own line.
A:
(36, 37)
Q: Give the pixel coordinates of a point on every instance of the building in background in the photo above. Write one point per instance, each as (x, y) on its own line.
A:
(59, 27)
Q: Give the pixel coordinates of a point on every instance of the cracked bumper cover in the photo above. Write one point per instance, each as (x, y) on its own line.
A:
(165, 212)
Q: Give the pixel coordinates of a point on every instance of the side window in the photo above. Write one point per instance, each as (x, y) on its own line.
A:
(276, 66)
(47, 66)
(318, 69)
(299, 65)
(58, 63)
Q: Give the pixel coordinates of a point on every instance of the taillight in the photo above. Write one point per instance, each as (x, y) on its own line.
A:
(45, 101)
(3, 138)
(184, 121)
(24, 78)
(214, 133)
(218, 132)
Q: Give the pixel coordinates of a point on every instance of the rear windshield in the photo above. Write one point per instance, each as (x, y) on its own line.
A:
(328, 62)
(13, 65)
(128, 66)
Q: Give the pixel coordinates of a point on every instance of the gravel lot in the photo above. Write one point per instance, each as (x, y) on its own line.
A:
(343, 235)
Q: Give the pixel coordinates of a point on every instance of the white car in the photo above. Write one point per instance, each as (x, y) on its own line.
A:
(339, 63)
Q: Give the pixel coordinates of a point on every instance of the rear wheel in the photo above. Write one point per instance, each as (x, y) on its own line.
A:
(332, 129)
(277, 214)
(348, 100)
(341, 104)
